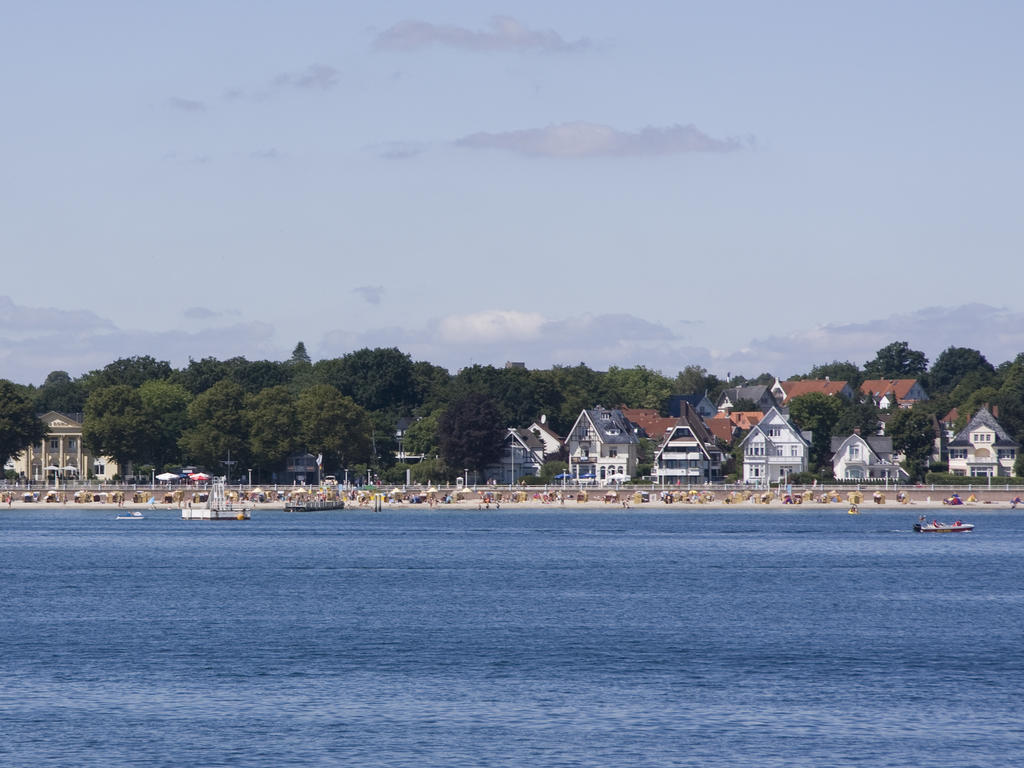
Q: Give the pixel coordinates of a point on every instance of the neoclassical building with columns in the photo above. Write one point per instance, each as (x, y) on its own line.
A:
(61, 457)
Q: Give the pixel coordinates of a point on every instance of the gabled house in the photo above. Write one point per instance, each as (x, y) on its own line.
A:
(602, 447)
(758, 394)
(886, 393)
(700, 403)
(550, 439)
(61, 457)
(949, 423)
(982, 448)
(688, 452)
(774, 449)
(784, 391)
(865, 458)
(647, 422)
(522, 455)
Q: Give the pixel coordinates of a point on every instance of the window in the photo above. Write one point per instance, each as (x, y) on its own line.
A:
(794, 450)
(613, 452)
(54, 444)
(72, 444)
(774, 431)
(958, 453)
(854, 451)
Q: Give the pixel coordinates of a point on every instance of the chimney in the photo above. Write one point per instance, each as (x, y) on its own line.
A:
(856, 430)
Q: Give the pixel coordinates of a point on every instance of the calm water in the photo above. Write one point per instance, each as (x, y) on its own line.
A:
(533, 638)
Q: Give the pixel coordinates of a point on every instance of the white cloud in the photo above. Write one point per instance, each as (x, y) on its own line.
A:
(504, 34)
(371, 293)
(186, 105)
(581, 139)
(495, 326)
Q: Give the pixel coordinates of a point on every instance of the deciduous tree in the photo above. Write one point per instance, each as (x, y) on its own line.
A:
(896, 361)
(19, 425)
(471, 432)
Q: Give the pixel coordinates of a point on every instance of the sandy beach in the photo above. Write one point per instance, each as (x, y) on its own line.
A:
(493, 499)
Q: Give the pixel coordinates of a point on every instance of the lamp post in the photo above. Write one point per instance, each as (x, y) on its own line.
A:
(250, 477)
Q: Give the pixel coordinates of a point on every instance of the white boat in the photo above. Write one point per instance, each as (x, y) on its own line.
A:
(132, 515)
(922, 526)
(217, 507)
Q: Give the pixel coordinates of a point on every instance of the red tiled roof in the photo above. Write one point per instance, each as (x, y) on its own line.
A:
(721, 427)
(807, 386)
(877, 387)
(650, 421)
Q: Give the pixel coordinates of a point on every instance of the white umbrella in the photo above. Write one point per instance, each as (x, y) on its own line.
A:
(167, 476)
(51, 468)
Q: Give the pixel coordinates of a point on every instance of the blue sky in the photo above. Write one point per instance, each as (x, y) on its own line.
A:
(746, 186)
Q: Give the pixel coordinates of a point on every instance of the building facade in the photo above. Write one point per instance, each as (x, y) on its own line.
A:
(774, 449)
(982, 448)
(602, 447)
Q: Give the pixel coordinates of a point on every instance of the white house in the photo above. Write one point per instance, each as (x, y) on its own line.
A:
(602, 447)
(522, 455)
(688, 453)
(774, 449)
(865, 458)
(982, 448)
(551, 440)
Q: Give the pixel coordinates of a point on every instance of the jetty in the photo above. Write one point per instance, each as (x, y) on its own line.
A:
(314, 505)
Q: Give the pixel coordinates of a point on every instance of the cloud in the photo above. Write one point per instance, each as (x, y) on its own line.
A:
(504, 34)
(37, 340)
(314, 77)
(399, 150)
(186, 105)
(581, 139)
(370, 293)
(998, 333)
(493, 337)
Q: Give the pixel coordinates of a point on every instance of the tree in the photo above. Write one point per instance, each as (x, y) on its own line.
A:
(19, 425)
(896, 361)
(818, 413)
(913, 434)
(115, 424)
(165, 413)
(471, 432)
(837, 371)
(334, 425)
(200, 375)
(217, 427)
(860, 414)
(953, 364)
(273, 426)
(421, 436)
(377, 379)
(300, 356)
(130, 371)
(60, 393)
(637, 387)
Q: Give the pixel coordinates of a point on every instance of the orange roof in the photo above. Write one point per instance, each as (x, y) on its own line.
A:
(721, 427)
(807, 386)
(899, 387)
(745, 419)
(649, 420)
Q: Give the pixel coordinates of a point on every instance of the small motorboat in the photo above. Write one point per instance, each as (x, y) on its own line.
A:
(923, 526)
(132, 515)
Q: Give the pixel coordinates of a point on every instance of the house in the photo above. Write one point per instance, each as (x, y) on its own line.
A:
(522, 456)
(551, 440)
(865, 458)
(401, 427)
(602, 447)
(758, 394)
(700, 403)
(61, 457)
(647, 422)
(774, 449)
(723, 429)
(982, 448)
(688, 453)
(784, 391)
(887, 393)
(949, 423)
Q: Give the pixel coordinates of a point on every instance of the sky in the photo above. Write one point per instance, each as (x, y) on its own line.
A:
(746, 186)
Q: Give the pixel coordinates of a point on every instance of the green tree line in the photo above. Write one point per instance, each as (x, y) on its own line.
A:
(144, 412)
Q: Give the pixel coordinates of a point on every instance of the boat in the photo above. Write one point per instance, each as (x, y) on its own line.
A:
(217, 507)
(923, 526)
(132, 515)
(853, 510)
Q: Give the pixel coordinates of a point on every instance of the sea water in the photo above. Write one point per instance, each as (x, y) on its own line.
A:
(532, 637)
